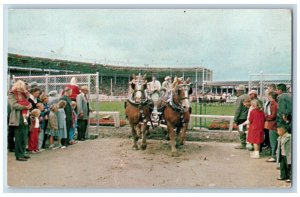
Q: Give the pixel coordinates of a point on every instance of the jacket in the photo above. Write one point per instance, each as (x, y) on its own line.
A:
(52, 123)
(284, 107)
(68, 109)
(15, 110)
(82, 107)
(241, 112)
(287, 148)
(271, 118)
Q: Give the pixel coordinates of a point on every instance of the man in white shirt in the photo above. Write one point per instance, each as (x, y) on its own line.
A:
(154, 85)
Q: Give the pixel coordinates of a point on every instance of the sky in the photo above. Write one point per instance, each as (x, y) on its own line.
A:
(231, 42)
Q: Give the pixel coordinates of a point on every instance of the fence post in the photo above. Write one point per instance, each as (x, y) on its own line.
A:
(98, 99)
(261, 84)
(47, 84)
(249, 84)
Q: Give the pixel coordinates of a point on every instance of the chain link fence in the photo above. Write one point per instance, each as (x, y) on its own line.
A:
(261, 80)
(58, 82)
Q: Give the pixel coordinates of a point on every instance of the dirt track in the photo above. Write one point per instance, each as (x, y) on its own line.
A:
(111, 163)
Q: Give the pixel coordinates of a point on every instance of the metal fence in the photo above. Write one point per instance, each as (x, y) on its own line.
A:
(260, 81)
(59, 82)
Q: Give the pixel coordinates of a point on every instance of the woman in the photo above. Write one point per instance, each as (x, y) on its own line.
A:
(271, 125)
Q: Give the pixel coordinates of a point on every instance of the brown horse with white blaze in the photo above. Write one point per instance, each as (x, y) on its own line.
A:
(137, 110)
(177, 112)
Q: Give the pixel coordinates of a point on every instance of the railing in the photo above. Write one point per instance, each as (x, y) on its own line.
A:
(230, 118)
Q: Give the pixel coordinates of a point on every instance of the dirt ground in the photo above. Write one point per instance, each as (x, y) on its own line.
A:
(111, 163)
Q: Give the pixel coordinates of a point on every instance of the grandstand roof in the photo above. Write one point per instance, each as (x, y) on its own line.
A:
(21, 61)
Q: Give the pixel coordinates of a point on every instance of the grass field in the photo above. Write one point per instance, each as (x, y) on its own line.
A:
(209, 109)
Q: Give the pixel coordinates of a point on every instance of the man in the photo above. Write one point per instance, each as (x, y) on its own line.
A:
(154, 85)
(83, 110)
(17, 124)
(167, 84)
(68, 111)
(241, 113)
(284, 113)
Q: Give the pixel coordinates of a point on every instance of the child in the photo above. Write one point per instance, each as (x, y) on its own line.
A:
(74, 125)
(52, 125)
(256, 127)
(34, 131)
(284, 154)
(62, 127)
(45, 99)
(40, 106)
(21, 94)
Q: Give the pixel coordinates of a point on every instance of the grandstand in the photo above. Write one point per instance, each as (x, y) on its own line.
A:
(117, 76)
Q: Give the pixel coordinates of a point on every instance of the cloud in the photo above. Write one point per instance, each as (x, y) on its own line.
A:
(230, 42)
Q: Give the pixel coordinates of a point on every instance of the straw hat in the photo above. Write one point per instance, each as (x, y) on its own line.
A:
(240, 87)
(167, 78)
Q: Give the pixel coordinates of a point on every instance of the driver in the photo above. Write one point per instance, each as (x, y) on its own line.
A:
(154, 85)
(167, 84)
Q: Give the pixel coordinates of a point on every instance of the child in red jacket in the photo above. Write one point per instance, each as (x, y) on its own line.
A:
(256, 127)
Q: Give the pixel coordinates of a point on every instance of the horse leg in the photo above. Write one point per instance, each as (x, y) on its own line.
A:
(183, 134)
(144, 133)
(172, 140)
(135, 138)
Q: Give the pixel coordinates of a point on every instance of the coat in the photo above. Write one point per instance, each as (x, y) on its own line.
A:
(15, 110)
(271, 118)
(256, 127)
(287, 148)
(241, 112)
(53, 122)
(68, 109)
(82, 107)
(284, 107)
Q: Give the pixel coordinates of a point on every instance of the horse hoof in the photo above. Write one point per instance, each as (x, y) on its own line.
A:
(135, 147)
(143, 146)
(175, 154)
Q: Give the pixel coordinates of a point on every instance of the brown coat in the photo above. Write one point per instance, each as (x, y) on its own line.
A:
(271, 119)
(52, 124)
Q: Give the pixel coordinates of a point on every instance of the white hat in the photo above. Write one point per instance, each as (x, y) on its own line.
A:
(167, 78)
(240, 87)
(252, 92)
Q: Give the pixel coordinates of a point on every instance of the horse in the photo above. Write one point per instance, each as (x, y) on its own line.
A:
(177, 112)
(137, 110)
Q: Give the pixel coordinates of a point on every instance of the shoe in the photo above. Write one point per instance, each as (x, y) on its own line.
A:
(51, 147)
(271, 160)
(288, 181)
(63, 147)
(254, 155)
(277, 168)
(21, 159)
(41, 150)
(27, 157)
(32, 152)
(280, 179)
(240, 147)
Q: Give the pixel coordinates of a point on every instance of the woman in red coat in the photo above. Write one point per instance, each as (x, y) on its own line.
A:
(256, 127)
